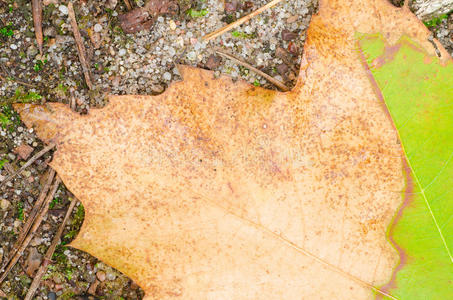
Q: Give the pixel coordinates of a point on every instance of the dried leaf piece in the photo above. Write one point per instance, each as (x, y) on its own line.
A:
(33, 261)
(23, 151)
(37, 22)
(143, 18)
(209, 189)
(222, 190)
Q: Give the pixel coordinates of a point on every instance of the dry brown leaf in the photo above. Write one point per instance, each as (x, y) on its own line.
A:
(222, 190)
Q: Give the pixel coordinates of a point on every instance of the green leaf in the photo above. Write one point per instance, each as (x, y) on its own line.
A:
(243, 35)
(4, 120)
(197, 13)
(435, 21)
(418, 92)
(26, 97)
(3, 162)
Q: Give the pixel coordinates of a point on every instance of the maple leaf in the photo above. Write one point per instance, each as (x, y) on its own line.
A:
(420, 103)
(222, 190)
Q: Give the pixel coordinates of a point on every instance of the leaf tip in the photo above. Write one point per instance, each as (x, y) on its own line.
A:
(47, 120)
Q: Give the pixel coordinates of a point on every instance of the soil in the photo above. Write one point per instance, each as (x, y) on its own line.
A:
(144, 63)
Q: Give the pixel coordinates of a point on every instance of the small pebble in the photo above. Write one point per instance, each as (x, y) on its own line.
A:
(292, 19)
(101, 275)
(191, 55)
(13, 46)
(288, 35)
(167, 76)
(111, 276)
(63, 9)
(4, 204)
(98, 28)
(122, 52)
(172, 25)
(52, 296)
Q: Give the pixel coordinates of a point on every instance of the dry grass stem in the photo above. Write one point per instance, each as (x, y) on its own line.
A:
(33, 229)
(28, 163)
(269, 78)
(80, 47)
(239, 22)
(47, 258)
(26, 228)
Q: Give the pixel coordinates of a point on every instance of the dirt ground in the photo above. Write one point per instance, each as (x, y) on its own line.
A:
(120, 63)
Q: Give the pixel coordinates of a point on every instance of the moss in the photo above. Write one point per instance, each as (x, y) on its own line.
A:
(243, 35)
(68, 295)
(436, 21)
(47, 11)
(20, 211)
(196, 13)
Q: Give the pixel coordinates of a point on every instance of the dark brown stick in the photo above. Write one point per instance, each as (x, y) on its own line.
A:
(80, 47)
(47, 258)
(274, 81)
(33, 229)
(28, 163)
(36, 208)
(37, 22)
(128, 4)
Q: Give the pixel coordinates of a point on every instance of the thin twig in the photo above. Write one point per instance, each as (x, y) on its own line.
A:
(33, 229)
(80, 47)
(8, 77)
(128, 4)
(18, 81)
(37, 22)
(47, 258)
(73, 103)
(37, 207)
(274, 81)
(28, 163)
(242, 20)
(31, 218)
(8, 167)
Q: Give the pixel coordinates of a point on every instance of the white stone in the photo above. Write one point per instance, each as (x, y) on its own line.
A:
(167, 76)
(191, 55)
(98, 28)
(63, 9)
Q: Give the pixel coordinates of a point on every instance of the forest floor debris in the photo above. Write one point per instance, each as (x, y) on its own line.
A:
(143, 63)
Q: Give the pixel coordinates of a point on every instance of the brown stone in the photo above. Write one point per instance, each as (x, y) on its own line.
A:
(23, 151)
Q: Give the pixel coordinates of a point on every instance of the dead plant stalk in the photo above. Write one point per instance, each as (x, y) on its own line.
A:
(80, 47)
(36, 208)
(47, 259)
(33, 229)
(28, 163)
(271, 79)
(241, 21)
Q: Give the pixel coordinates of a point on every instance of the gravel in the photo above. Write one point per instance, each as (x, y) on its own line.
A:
(142, 63)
